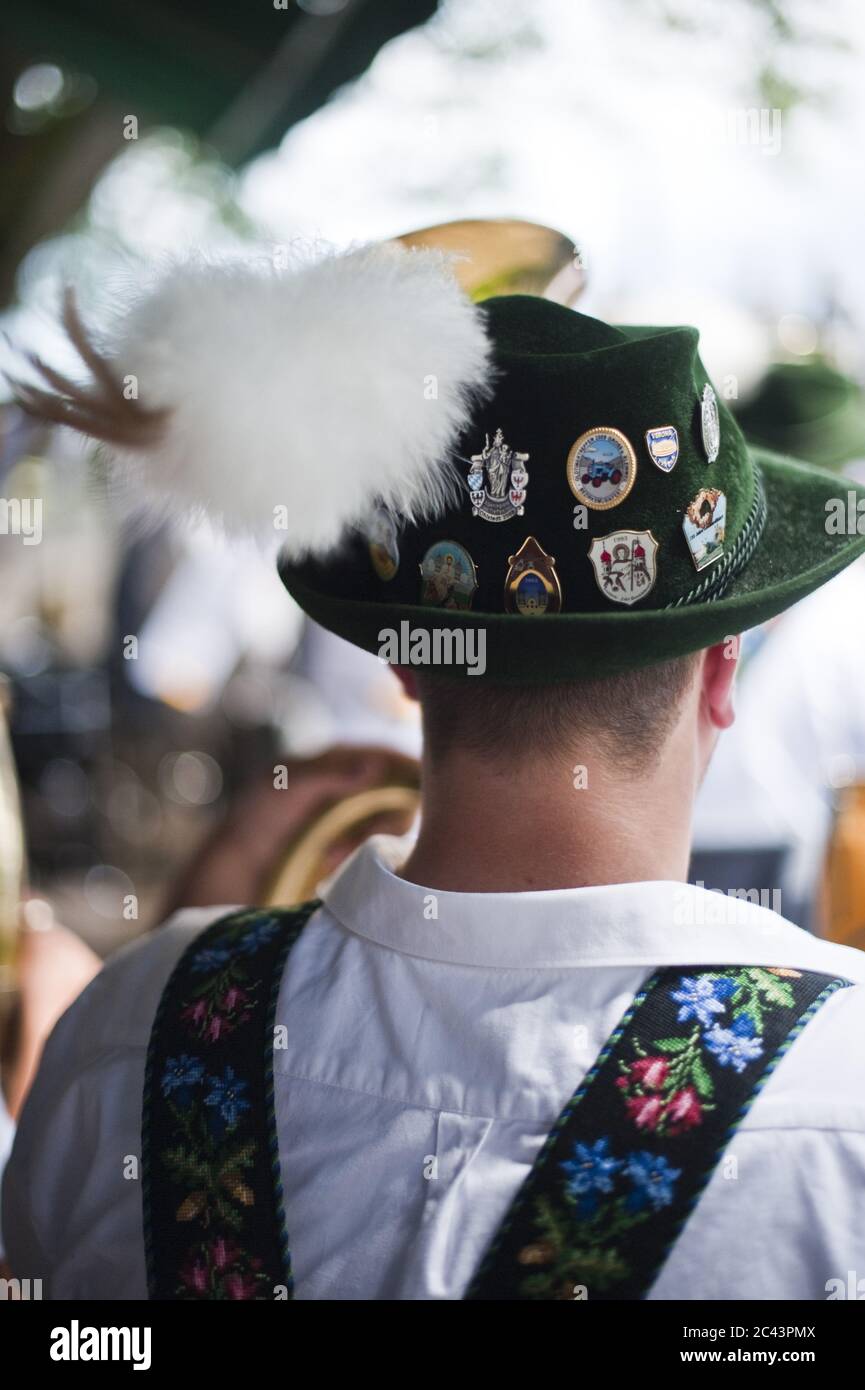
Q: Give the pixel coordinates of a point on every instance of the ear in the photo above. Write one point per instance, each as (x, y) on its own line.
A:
(406, 677)
(719, 673)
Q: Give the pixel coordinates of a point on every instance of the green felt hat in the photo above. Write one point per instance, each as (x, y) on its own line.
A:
(584, 567)
(809, 410)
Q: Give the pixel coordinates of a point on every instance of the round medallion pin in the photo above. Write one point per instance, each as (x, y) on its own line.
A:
(449, 577)
(602, 467)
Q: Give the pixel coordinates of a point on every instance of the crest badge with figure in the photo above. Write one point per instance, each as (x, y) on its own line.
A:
(624, 564)
(497, 480)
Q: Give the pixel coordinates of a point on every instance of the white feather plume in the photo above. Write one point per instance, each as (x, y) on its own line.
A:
(318, 389)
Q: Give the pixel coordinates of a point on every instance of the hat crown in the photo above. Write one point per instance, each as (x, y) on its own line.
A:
(594, 443)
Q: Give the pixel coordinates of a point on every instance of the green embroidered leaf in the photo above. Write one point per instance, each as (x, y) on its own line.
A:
(776, 991)
(672, 1045)
(702, 1079)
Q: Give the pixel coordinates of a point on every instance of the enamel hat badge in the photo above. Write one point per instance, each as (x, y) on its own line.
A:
(601, 467)
(625, 564)
(497, 480)
(532, 584)
(663, 446)
(383, 545)
(704, 525)
(448, 576)
(710, 423)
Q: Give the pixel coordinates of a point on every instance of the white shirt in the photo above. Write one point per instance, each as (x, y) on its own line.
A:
(459, 1036)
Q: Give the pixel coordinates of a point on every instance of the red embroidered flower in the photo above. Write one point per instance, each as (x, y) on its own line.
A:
(685, 1110)
(651, 1072)
(645, 1111)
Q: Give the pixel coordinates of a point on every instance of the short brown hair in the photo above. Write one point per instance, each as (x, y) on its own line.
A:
(628, 716)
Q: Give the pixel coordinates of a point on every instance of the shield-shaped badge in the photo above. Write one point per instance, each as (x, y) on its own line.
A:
(663, 446)
(625, 565)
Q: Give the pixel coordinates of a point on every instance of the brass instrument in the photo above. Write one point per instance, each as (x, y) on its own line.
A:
(507, 256)
(321, 847)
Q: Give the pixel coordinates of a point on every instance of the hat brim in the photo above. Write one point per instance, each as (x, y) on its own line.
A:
(796, 554)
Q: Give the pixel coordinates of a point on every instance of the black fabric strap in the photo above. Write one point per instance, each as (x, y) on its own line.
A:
(213, 1219)
(632, 1151)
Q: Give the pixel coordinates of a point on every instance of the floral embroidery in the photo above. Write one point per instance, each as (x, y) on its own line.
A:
(603, 1198)
(219, 1269)
(634, 1146)
(671, 1092)
(215, 1172)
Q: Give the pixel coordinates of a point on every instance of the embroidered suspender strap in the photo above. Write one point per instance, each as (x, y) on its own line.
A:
(213, 1219)
(632, 1151)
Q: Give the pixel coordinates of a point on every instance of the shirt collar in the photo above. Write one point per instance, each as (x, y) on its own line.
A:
(657, 923)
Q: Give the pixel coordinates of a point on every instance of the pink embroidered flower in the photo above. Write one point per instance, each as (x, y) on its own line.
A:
(645, 1111)
(651, 1072)
(194, 1275)
(195, 1012)
(223, 1252)
(684, 1110)
(216, 1027)
(240, 1286)
(234, 996)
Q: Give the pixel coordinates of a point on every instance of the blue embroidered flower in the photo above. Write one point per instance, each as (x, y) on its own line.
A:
(211, 958)
(226, 1100)
(737, 1046)
(701, 997)
(591, 1171)
(257, 936)
(180, 1076)
(653, 1180)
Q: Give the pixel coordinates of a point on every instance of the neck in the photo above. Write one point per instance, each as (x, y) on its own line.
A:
(526, 826)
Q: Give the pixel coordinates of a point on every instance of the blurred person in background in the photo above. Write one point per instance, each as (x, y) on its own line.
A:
(765, 811)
